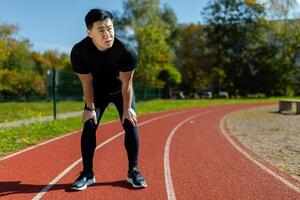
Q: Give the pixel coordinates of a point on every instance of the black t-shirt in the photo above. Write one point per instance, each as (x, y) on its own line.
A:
(104, 65)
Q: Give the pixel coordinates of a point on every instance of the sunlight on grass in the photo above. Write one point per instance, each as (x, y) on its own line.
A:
(13, 139)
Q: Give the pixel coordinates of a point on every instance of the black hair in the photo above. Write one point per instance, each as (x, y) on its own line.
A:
(95, 15)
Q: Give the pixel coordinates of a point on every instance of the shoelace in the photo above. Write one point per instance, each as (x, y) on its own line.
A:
(136, 174)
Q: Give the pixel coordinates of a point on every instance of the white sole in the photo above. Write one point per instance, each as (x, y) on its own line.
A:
(129, 180)
(89, 182)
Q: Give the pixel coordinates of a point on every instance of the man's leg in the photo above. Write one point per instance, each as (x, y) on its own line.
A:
(88, 145)
(131, 133)
(131, 144)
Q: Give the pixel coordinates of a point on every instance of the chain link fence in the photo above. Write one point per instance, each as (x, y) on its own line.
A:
(64, 85)
(57, 93)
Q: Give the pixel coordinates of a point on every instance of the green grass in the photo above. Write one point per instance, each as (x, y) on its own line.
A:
(13, 111)
(13, 139)
(160, 105)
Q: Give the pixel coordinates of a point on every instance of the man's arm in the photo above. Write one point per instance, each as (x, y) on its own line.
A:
(88, 92)
(127, 92)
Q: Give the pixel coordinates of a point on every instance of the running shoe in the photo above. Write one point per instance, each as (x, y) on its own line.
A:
(135, 179)
(83, 181)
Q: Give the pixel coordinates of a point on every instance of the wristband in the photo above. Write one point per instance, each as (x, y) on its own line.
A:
(87, 108)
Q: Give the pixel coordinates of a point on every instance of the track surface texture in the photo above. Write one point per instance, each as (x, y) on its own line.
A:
(184, 154)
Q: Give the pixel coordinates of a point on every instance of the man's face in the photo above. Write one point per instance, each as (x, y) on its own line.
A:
(102, 34)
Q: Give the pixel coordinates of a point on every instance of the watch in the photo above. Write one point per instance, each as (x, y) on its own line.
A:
(87, 108)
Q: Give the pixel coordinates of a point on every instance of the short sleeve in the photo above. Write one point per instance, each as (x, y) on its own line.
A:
(129, 59)
(78, 63)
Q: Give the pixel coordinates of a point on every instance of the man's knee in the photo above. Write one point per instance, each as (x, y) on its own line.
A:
(128, 125)
(89, 125)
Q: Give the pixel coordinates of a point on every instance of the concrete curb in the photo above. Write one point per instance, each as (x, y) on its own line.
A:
(38, 119)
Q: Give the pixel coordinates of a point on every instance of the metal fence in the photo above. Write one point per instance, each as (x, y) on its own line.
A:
(61, 85)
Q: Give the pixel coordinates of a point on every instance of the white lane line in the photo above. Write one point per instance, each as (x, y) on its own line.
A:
(67, 170)
(46, 142)
(252, 159)
(168, 178)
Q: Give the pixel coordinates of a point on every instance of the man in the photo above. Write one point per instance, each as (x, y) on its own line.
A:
(105, 65)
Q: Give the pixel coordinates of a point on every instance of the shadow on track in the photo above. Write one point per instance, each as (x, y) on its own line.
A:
(16, 187)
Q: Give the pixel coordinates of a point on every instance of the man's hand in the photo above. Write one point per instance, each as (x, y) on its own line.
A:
(129, 114)
(88, 91)
(89, 114)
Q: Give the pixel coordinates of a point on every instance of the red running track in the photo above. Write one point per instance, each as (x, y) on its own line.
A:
(184, 154)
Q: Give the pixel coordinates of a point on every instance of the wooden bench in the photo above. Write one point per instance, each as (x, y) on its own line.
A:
(286, 105)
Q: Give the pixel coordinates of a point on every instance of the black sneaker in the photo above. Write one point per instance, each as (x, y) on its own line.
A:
(136, 179)
(82, 182)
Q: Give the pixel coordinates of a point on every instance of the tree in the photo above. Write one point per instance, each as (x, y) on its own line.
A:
(281, 9)
(169, 17)
(40, 62)
(6, 33)
(151, 33)
(14, 54)
(197, 68)
(22, 85)
(285, 33)
(54, 59)
(173, 40)
(18, 56)
(234, 32)
(23, 72)
(171, 77)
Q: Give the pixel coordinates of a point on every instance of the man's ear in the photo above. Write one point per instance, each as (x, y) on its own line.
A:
(89, 32)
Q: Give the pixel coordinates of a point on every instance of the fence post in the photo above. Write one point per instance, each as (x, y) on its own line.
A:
(54, 92)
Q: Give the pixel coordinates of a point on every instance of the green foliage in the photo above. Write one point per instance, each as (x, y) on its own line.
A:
(154, 55)
(257, 56)
(7, 31)
(55, 59)
(4, 53)
(151, 33)
(281, 9)
(18, 56)
(20, 84)
(234, 34)
(169, 17)
(39, 61)
(237, 50)
(196, 72)
(14, 54)
(286, 38)
(23, 71)
(170, 76)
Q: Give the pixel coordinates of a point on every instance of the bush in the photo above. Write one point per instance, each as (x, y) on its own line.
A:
(21, 84)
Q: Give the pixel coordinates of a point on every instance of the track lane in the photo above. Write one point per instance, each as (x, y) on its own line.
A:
(205, 165)
(27, 173)
(110, 166)
(168, 177)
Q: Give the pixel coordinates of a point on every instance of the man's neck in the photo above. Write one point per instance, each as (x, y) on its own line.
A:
(98, 47)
